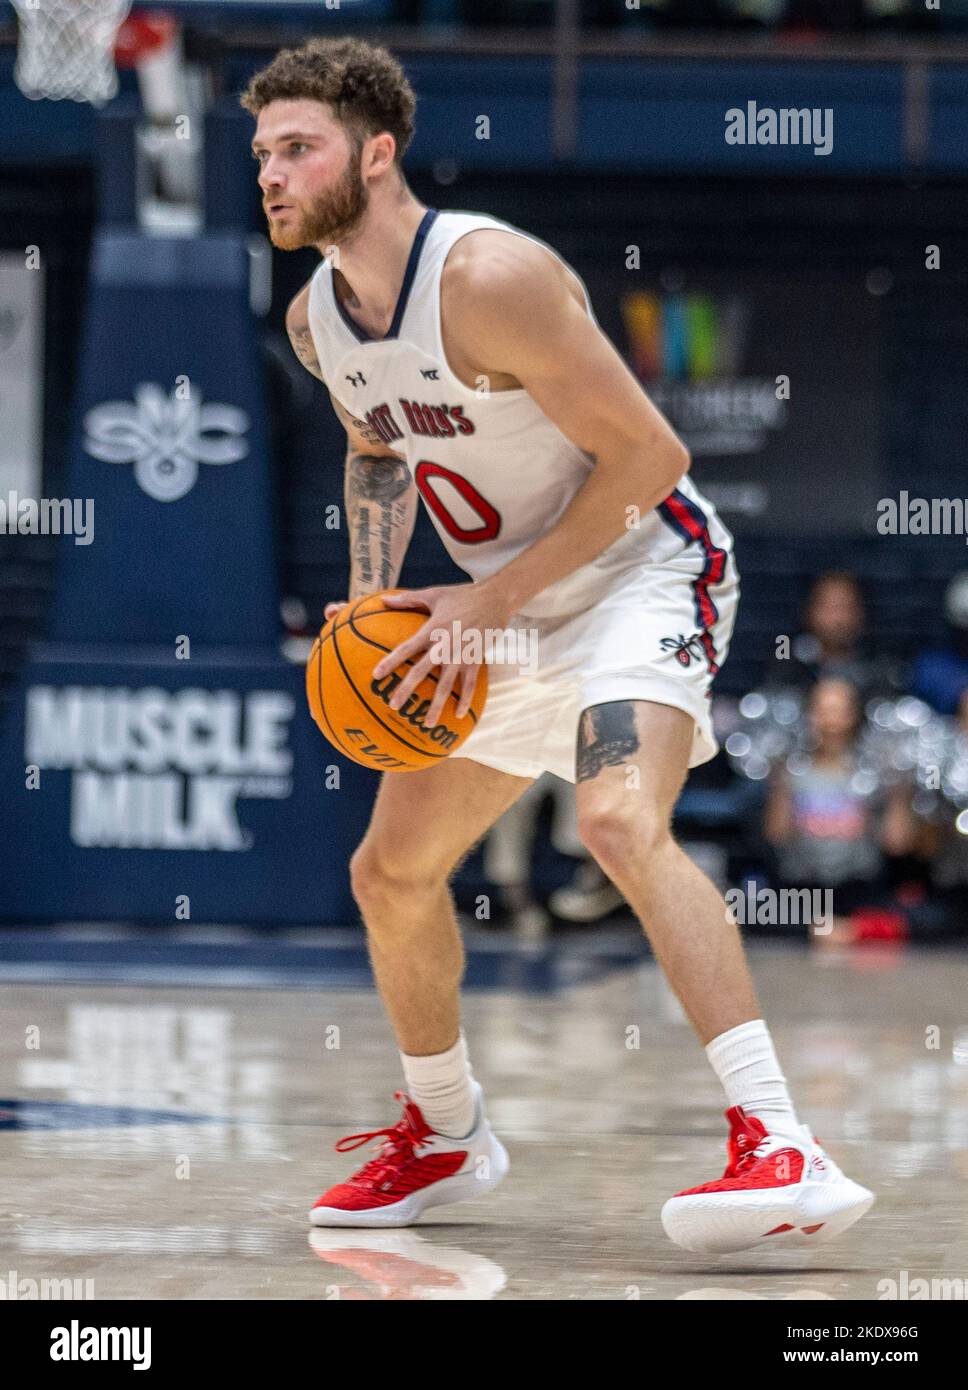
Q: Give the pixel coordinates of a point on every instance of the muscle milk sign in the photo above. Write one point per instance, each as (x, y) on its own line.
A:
(160, 769)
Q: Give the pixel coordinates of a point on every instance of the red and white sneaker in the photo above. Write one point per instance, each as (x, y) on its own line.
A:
(777, 1189)
(415, 1169)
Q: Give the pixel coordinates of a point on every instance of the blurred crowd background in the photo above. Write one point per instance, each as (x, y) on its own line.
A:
(843, 772)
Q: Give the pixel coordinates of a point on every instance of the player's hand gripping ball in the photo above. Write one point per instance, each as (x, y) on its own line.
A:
(352, 709)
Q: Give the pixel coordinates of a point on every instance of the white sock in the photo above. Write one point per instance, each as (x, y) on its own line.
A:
(441, 1086)
(745, 1062)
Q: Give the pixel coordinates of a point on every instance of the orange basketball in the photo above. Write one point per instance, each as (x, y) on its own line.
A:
(352, 708)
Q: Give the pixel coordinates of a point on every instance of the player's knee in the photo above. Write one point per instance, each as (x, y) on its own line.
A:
(384, 874)
(374, 875)
(618, 835)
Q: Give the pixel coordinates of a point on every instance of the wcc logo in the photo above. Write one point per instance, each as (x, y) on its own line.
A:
(165, 438)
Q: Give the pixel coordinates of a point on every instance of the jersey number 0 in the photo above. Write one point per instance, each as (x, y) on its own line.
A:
(490, 516)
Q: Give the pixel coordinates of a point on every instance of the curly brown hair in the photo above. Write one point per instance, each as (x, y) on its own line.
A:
(363, 82)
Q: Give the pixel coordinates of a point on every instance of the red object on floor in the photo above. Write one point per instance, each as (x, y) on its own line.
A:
(879, 924)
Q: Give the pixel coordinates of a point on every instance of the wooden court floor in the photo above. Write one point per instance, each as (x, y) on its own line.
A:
(167, 1142)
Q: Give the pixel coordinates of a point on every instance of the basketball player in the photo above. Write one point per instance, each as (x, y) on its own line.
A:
(464, 359)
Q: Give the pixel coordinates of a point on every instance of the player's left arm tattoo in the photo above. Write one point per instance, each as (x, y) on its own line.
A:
(380, 510)
(607, 737)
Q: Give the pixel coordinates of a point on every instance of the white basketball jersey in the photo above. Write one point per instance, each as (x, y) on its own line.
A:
(494, 472)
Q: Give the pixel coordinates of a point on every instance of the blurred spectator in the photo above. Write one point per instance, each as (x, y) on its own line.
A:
(940, 677)
(833, 644)
(830, 828)
(945, 912)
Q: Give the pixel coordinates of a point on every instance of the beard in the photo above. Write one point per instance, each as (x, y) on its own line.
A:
(330, 217)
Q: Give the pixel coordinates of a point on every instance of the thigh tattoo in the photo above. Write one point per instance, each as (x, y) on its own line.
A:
(606, 738)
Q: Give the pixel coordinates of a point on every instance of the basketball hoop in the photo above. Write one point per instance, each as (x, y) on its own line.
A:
(149, 42)
(66, 49)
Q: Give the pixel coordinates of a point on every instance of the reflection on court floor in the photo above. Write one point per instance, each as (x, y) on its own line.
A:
(171, 1140)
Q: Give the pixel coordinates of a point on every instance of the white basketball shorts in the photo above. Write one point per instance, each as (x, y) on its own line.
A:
(660, 633)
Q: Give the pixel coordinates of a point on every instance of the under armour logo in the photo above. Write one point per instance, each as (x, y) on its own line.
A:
(356, 379)
(166, 438)
(431, 373)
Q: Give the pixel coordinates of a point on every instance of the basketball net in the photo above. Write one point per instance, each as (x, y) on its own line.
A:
(73, 48)
(66, 49)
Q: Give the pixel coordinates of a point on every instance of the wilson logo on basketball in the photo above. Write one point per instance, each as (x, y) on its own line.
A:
(413, 710)
(165, 437)
(351, 706)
